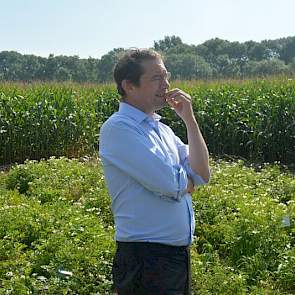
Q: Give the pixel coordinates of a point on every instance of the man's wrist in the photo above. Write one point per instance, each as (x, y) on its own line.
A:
(190, 185)
(191, 122)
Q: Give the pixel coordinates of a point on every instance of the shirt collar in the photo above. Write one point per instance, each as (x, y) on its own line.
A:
(135, 113)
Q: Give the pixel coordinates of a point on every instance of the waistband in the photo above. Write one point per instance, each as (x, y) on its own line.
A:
(137, 245)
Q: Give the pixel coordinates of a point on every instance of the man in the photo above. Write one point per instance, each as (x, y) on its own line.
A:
(150, 174)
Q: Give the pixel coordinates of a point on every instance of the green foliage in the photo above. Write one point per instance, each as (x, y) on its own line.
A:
(43, 120)
(250, 119)
(69, 181)
(107, 63)
(246, 227)
(188, 66)
(20, 179)
(212, 276)
(57, 236)
(215, 58)
(64, 215)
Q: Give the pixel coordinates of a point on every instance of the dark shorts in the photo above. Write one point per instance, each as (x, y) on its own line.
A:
(151, 269)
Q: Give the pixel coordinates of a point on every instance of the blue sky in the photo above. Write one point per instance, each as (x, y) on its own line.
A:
(94, 27)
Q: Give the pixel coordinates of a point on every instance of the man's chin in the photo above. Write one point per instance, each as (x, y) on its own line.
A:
(162, 105)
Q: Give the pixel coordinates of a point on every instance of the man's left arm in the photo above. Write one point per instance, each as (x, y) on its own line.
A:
(198, 153)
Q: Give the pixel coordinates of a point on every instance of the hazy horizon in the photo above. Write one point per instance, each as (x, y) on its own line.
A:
(94, 27)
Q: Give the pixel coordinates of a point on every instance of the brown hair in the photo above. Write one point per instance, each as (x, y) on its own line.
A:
(129, 66)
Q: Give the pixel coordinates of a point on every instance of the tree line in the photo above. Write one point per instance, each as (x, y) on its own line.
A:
(214, 59)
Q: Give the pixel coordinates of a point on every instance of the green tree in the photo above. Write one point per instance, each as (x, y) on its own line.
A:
(74, 66)
(255, 50)
(188, 66)
(30, 68)
(212, 48)
(265, 67)
(236, 50)
(91, 66)
(292, 66)
(51, 67)
(167, 43)
(227, 67)
(11, 65)
(63, 74)
(106, 65)
(287, 52)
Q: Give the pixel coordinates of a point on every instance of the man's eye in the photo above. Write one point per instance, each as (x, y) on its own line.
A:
(161, 77)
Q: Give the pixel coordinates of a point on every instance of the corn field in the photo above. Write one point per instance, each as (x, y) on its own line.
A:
(253, 119)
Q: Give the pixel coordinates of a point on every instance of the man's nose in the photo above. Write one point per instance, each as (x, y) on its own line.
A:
(166, 83)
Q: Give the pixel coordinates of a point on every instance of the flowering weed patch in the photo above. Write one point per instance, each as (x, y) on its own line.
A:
(56, 232)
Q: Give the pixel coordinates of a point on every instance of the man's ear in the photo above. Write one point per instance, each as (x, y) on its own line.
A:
(127, 86)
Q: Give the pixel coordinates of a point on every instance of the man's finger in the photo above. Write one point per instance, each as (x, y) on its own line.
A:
(176, 99)
(177, 92)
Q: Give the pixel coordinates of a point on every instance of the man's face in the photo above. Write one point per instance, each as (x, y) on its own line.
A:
(153, 85)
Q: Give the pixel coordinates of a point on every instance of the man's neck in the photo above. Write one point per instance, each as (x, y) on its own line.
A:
(138, 106)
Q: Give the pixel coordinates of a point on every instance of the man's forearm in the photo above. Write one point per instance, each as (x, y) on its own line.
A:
(198, 152)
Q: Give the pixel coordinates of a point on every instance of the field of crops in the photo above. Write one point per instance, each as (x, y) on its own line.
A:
(56, 234)
(254, 120)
